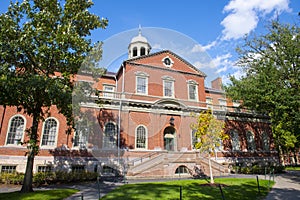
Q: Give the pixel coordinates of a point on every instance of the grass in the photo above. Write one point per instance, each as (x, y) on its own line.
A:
(291, 168)
(233, 189)
(57, 194)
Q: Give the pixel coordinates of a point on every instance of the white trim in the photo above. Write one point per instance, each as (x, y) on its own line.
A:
(192, 83)
(146, 84)
(116, 134)
(56, 134)
(146, 136)
(172, 88)
(8, 128)
(171, 62)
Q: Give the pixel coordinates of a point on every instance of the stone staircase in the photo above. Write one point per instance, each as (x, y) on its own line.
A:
(164, 165)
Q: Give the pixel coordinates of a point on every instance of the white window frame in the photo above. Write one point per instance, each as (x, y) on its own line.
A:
(169, 80)
(110, 92)
(141, 75)
(223, 104)
(56, 133)
(251, 146)
(235, 140)
(78, 133)
(265, 138)
(9, 126)
(195, 84)
(146, 137)
(104, 139)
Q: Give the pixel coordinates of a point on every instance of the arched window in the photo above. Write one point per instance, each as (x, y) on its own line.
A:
(134, 52)
(143, 51)
(110, 136)
(182, 170)
(81, 135)
(235, 140)
(49, 132)
(265, 141)
(250, 141)
(141, 137)
(16, 130)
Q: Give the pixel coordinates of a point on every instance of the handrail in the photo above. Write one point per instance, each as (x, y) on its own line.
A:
(132, 162)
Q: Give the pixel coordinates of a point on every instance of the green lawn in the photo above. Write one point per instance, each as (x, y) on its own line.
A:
(233, 188)
(290, 168)
(58, 194)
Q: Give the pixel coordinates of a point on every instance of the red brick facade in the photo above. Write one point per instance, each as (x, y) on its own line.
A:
(145, 110)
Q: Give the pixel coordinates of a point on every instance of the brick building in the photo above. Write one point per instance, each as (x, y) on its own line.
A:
(141, 127)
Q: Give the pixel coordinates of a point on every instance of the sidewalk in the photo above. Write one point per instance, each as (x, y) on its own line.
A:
(287, 187)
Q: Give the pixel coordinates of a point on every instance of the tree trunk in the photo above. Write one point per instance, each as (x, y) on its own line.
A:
(32, 151)
(210, 170)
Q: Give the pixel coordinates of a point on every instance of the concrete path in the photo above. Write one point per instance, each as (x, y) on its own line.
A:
(287, 187)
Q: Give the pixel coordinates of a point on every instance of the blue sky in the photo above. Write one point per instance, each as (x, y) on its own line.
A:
(214, 28)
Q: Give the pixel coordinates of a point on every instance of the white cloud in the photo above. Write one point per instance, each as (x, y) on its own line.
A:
(244, 15)
(201, 48)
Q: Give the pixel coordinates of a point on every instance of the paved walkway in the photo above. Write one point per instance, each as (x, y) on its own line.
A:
(287, 187)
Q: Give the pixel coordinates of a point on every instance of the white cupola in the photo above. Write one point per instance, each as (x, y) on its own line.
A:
(138, 46)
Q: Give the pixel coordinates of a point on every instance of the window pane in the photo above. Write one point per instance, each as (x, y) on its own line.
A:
(16, 130)
(250, 141)
(49, 134)
(8, 169)
(141, 137)
(265, 141)
(81, 134)
(141, 85)
(192, 92)
(110, 136)
(235, 142)
(168, 90)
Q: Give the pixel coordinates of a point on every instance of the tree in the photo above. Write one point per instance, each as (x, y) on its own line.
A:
(209, 132)
(271, 80)
(42, 46)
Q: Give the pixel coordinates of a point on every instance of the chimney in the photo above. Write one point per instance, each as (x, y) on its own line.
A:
(217, 84)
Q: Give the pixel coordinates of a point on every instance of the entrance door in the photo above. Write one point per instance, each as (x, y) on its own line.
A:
(169, 138)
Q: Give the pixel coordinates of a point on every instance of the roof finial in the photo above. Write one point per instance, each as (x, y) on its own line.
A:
(140, 30)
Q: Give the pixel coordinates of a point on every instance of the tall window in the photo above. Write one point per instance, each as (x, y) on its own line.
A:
(193, 90)
(141, 85)
(110, 136)
(49, 132)
(81, 135)
(168, 88)
(16, 130)
(134, 53)
(250, 141)
(141, 137)
(265, 141)
(143, 51)
(235, 140)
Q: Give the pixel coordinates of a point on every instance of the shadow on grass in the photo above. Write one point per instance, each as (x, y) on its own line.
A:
(44, 195)
(235, 189)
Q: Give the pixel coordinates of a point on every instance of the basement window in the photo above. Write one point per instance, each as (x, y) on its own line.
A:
(182, 170)
(8, 168)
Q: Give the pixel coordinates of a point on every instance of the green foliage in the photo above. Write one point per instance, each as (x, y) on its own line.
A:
(42, 46)
(56, 194)
(42, 178)
(271, 81)
(11, 178)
